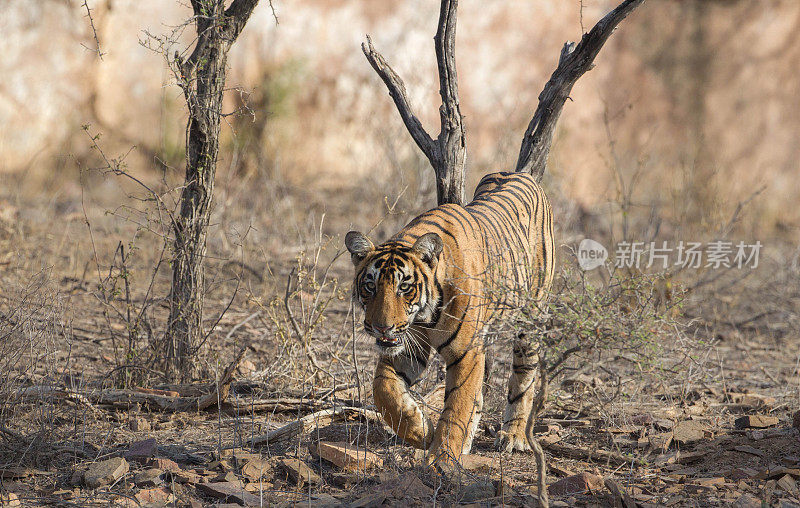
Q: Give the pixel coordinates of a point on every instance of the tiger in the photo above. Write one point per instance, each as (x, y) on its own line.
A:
(428, 289)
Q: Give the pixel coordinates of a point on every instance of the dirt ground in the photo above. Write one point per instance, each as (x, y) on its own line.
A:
(717, 432)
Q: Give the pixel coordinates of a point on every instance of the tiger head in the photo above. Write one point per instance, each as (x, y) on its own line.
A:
(396, 286)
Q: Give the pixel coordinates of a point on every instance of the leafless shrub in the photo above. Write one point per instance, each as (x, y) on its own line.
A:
(627, 323)
(34, 348)
(298, 311)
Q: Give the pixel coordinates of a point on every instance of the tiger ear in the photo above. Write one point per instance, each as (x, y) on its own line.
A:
(358, 245)
(428, 246)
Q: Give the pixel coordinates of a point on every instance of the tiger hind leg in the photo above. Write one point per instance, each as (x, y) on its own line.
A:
(521, 391)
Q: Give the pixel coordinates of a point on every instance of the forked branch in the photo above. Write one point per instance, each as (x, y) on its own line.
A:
(575, 60)
(447, 153)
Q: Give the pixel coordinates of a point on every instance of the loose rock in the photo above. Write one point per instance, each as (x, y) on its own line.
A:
(577, 484)
(787, 483)
(688, 432)
(299, 471)
(478, 462)
(229, 492)
(157, 497)
(747, 501)
(141, 451)
(149, 478)
(255, 469)
(105, 472)
(347, 456)
(165, 464)
(478, 491)
(756, 421)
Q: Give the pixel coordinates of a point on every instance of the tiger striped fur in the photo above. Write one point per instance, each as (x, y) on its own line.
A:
(433, 287)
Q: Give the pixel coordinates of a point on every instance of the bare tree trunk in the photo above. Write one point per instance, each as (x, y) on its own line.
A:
(202, 78)
(448, 152)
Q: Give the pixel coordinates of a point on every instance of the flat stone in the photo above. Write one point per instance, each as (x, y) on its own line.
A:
(756, 422)
(149, 478)
(347, 456)
(747, 501)
(184, 476)
(165, 464)
(105, 472)
(141, 451)
(239, 454)
(370, 500)
(299, 471)
(477, 491)
(156, 497)
(741, 473)
(229, 477)
(256, 468)
(690, 457)
(750, 450)
(321, 501)
(229, 492)
(577, 484)
(688, 432)
(474, 462)
(787, 483)
(709, 482)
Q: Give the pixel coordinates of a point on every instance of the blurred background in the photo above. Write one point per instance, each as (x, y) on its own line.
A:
(696, 97)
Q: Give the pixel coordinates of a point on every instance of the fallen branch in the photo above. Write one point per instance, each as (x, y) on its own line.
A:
(577, 452)
(153, 399)
(306, 423)
(276, 405)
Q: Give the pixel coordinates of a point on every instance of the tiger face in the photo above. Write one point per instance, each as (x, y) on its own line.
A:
(396, 286)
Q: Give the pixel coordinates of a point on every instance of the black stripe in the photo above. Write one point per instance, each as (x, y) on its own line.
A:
(442, 228)
(543, 241)
(459, 219)
(456, 362)
(518, 396)
(510, 223)
(405, 377)
(501, 240)
(455, 333)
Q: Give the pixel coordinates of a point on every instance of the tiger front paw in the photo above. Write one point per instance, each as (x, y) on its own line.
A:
(443, 460)
(512, 438)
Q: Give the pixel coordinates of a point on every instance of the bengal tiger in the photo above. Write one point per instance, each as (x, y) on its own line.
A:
(428, 288)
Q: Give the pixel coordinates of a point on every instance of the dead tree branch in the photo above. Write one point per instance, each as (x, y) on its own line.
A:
(574, 62)
(447, 153)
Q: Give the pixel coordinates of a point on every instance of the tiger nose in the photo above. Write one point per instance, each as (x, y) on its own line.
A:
(382, 329)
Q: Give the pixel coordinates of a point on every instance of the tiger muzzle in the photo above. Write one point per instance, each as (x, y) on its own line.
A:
(385, 336)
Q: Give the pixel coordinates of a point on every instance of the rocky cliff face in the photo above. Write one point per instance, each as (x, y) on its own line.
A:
(698, 94)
